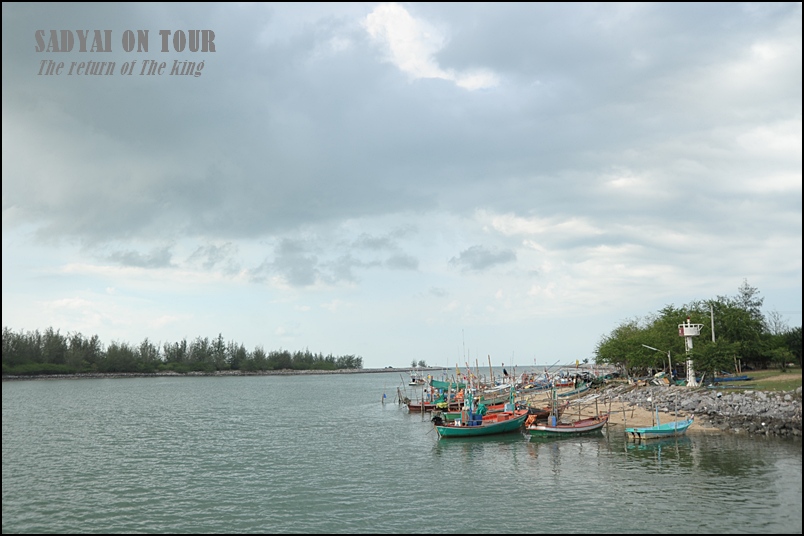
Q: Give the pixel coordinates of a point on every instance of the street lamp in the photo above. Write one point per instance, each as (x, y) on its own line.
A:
(669, 362)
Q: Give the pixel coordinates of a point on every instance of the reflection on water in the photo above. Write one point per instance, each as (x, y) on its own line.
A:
(214, 455)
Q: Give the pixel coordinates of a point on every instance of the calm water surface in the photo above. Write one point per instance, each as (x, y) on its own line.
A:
(322, 454)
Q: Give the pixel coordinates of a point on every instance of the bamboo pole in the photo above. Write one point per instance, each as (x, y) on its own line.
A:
(491, 371)
(625, 419)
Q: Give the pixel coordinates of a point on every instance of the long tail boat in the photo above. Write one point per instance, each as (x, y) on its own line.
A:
(668, 429)
(472, 424)
(555, 428)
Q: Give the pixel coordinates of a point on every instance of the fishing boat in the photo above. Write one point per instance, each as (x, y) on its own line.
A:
(417, 406)
(416, 377)
(489, 408)
(472, 424)
(534, 413)
(563, 382)
(718, 379)
(432, 400)
(543, 413)
(497, 394)
(555, 428)
(582, 388)
(669, 429)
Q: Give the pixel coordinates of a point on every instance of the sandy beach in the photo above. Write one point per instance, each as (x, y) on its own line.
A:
(621, 415)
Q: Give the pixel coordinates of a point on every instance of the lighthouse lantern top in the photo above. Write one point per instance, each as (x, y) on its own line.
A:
(689, 330)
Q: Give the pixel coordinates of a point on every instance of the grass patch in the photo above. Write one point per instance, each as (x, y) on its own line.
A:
(772, 380)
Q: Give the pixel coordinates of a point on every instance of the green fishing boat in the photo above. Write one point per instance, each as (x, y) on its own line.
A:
(473, 424)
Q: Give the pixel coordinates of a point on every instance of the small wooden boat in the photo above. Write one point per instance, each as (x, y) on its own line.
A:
(472, 424)
(489, 424)
(574, 392)
(669, 429)
(719, 379)
(499, 394)
(541, 414)
(555, 428)
(563, 382)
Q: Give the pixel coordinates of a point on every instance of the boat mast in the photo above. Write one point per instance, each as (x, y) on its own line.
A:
(491, 372)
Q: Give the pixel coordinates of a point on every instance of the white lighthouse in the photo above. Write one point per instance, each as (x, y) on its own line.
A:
(688, 331)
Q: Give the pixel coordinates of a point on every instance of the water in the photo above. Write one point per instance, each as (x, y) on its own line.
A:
(322, 454)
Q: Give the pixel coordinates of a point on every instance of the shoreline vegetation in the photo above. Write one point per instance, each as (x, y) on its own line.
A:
(50, 352)
(174, 374)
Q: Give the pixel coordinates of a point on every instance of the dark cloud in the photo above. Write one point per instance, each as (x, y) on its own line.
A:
(302, 124)
(402, 262)
(293, 263)
(212, 255)
(479, 258)
(157, 258)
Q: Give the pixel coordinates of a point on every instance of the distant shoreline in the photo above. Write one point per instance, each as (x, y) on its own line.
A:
(171, 374)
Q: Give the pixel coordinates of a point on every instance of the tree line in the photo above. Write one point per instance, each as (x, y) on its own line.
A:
(51, 352)
(744, 338)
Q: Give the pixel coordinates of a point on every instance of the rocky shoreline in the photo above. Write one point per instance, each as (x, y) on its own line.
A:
(748, 412)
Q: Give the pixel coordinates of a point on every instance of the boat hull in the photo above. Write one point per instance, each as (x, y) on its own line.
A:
(670, 429)
(584, 426)
(574, 392)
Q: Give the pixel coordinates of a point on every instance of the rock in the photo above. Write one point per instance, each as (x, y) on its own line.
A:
(752, 412)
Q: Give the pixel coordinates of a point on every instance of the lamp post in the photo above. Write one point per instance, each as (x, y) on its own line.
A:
(669, 362)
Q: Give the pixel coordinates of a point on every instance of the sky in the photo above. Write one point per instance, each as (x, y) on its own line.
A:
(447, 182)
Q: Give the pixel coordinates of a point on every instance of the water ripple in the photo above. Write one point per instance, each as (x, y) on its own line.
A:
(317, 454)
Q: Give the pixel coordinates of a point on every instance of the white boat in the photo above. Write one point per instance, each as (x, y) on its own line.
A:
(416, 378)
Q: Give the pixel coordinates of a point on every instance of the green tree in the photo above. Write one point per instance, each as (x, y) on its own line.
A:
(148, 356)
(54, 347)
(219, 353)
(733, 329)
(793, 342)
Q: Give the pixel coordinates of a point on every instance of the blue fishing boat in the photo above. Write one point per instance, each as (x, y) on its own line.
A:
(718, 379)
(670, 429)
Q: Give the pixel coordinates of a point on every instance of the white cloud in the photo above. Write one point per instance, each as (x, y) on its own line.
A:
(412, 44)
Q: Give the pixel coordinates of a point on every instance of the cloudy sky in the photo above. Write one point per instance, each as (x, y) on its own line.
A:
(400, 181)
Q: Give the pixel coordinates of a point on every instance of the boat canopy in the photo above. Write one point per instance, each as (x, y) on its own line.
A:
(452, 386)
